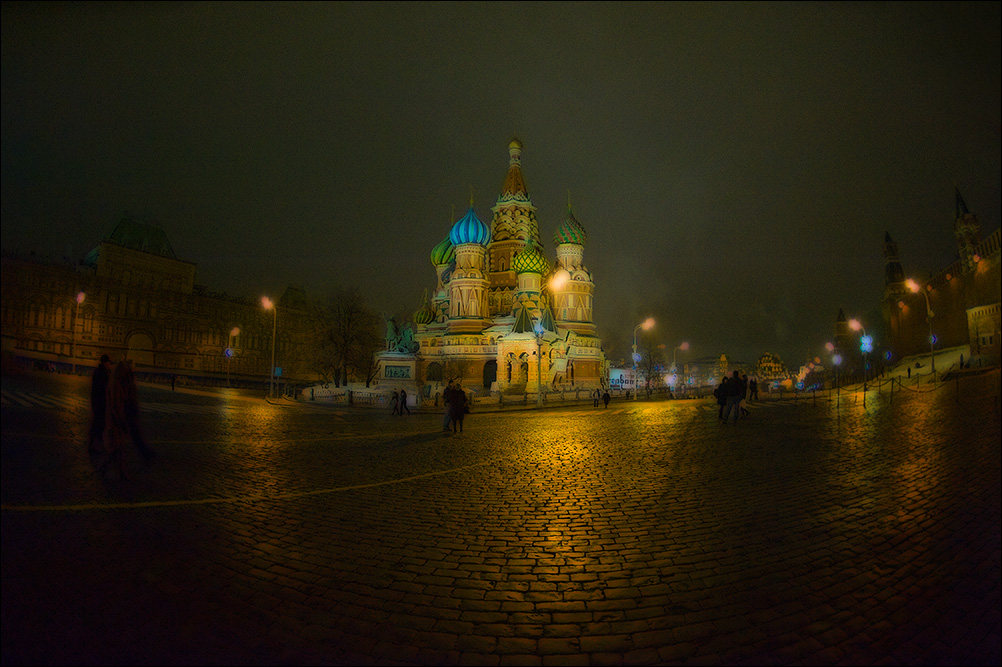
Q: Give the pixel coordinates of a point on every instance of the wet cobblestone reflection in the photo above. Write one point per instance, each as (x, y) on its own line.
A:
(645, 533)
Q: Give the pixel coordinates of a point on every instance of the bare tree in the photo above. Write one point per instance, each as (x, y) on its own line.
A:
(456, 369)
(346, 338)
(651, 364)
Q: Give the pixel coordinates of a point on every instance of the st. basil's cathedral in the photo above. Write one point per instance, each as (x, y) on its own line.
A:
(499, 306)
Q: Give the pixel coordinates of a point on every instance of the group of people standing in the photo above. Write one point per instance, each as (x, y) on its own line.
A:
(456, 406)
(732, 394)
(399, 402)
(114, 400)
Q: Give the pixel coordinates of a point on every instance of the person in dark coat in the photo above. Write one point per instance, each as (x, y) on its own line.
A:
(132, 412)
(457, 407)
(735, 391)
(720, 393)
(98, 402)
(605, 399)
(403, 402)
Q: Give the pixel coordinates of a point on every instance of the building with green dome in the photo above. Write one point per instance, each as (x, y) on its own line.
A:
(502, 316)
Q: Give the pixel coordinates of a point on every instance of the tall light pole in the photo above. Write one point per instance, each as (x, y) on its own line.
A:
(914, 287)
(269, 305)
(645, 325)
(234, 332)
(865, 346)
(73, 347)
(538, 329)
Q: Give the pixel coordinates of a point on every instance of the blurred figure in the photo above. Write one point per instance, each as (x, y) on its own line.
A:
(752, 390)
(132, 413)
(744, 395)
(403, 402)
(395, 402)
(606, 398)
(116, 423)
(98, 403)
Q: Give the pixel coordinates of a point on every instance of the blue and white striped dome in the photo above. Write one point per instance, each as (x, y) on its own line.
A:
(470, 229)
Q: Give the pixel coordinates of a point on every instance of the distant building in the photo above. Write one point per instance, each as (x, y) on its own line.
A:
(964, 297)
(770, 367)
(132, 297)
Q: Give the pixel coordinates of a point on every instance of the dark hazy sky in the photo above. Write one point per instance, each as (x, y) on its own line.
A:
(735, 165)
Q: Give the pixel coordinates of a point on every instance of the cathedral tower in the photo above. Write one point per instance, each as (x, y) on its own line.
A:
(512, 227)
(468, 308)
(572, 285)
(968, 232)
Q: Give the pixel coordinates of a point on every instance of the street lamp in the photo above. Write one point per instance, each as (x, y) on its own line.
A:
(914, 287)
(73, 347)
(538, 329)
(234, 332)
(269, 305)
(645, 325)
(865, 346)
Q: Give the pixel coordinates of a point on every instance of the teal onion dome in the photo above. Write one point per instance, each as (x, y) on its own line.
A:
(443, 253)
(470, 229)
(570, 231)
(530, 260)
(425, 315)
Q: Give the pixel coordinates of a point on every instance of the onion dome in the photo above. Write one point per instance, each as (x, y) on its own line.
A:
(570, 231)
(443, 252)
(470, 229)
(425, 315)
(530, 260)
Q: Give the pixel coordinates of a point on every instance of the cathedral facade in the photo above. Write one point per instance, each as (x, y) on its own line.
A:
(501, 316)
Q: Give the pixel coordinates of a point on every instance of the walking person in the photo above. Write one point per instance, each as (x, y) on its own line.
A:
(98, 403)
(752, 390)
(446, 397)
(605, 399)
(457, 407)
(395, 402)
(116, 423)
(403, 402)
(595, 398)
(132, 413)
(720, 393)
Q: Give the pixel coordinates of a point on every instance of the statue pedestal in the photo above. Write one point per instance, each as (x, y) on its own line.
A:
(397, 368)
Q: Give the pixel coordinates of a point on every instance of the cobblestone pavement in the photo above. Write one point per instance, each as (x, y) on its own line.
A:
(638, 534)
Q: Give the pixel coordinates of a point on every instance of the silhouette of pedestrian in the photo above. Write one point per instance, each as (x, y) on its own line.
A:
(116, 422)
(172, 379)
(457, 407)
(403, 402)
(605, 399)
(395, 402)
(735, 392)
(132, 413)
(720, 393)
(98, 403)
(744, 395)
(752, 390)
(595, 398)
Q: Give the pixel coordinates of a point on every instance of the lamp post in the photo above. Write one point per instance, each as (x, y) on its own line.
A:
(914, 287)
(269, 305)
(73, 347)
(645, 325)
(234, 332)
(865, 346)
(538, 329)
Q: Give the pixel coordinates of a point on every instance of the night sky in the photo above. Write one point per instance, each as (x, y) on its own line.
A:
(735, 165)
